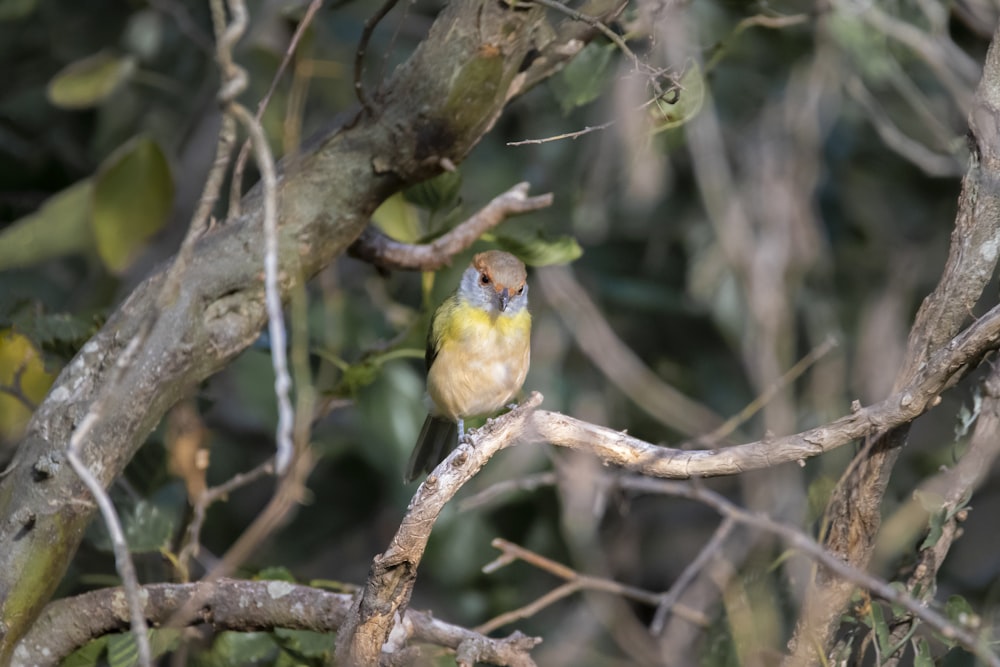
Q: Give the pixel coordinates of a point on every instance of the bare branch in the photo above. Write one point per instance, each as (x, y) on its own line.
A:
(375, 247)
(575, 581)
(391, 578)
(236, 187)
(69, 623)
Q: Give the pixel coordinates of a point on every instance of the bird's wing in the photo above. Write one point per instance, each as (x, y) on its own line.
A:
(435, 333)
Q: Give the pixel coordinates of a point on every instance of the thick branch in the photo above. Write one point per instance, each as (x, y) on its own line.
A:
(67, 624)
(434, 110)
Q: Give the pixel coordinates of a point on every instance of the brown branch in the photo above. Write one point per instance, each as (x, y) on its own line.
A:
(575, 581)
(375, 247)
(393, 573)
(69, 623)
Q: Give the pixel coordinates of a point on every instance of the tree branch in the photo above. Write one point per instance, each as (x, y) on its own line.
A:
(375, 247)
(67, 624)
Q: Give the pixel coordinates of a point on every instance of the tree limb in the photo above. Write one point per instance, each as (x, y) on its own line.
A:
(69, 623)
(435, 108)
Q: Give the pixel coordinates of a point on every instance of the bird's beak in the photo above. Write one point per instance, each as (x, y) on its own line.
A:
(504, 297)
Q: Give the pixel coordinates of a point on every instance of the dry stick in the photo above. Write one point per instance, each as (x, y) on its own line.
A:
(234, 82)
(911, 150)
(569, 135)
(616, 360)
(668, 601)
(494, 491)
(376, 248)
(192, 540)
(275, 315)
(796, 539)
(575, 581)
(236, 188)
(728, 427)
(392, 574)
(359, 55)
(123, 560)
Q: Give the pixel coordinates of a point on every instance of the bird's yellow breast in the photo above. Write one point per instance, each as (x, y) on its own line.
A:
(481, 360)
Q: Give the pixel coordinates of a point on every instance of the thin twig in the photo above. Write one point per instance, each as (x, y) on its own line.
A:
(234, 82)
(236, 188)
(494, 491)
(123, 559)
(616, 360)
(16, 387)
(359, 55)
(728, 427)
(275, 316)
(607, 32)
(668, 601)
(569, 135)
(575, 581)
(192, 540)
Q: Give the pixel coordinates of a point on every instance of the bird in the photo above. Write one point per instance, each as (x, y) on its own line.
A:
(478, 353)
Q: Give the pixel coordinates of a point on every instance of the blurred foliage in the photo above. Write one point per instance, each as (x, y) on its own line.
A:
(107, 127)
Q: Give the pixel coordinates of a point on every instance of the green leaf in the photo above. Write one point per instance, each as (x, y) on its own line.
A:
(922, 654)
(87, 81)
(133, 194)
(959, 611)
(935, 529)
(679, 106)
(437, 193)
(276, 573)
(88, 655)
(124, 652)
(240, 648)
(880, 626)
(11, 10)
(305, 643)
(58, 228)
(537, 250)
(585, 77)
(148, 527)
(398, 218)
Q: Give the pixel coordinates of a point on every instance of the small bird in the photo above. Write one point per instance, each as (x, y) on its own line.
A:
(478, 352)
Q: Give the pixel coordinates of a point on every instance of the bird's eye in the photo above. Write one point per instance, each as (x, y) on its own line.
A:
(520, 291)
(484, 279)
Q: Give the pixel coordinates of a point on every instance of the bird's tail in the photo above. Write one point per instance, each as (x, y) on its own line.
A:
(436, 440)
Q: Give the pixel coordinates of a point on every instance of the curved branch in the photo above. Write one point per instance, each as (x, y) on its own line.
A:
(67, 624)
(393, 573)
(375, 247)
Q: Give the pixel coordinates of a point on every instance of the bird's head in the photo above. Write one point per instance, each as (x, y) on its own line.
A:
(496, 282)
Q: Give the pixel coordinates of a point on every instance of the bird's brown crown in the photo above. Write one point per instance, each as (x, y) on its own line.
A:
(502, 269)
